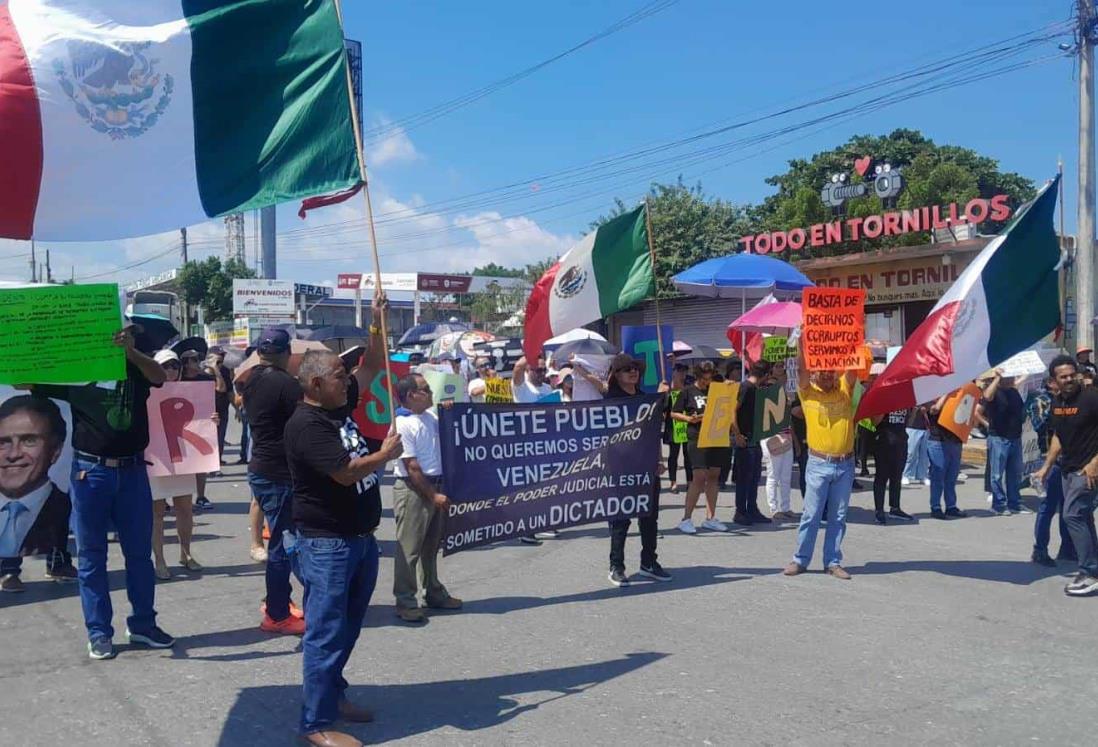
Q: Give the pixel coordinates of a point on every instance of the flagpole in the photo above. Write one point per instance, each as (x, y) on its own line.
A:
(655, 285)
(1060, 279)
(361, 154)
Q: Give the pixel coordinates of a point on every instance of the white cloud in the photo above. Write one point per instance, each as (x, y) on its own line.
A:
(396, 147)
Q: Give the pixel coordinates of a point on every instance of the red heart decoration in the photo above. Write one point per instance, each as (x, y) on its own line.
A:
(862, 165)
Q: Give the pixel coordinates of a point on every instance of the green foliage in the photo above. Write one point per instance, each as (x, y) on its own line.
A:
(209, 284)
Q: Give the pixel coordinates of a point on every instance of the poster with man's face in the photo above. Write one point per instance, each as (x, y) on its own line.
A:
(35, 459)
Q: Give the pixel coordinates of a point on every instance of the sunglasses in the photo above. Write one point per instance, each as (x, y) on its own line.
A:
(171, 364)
(630, 369)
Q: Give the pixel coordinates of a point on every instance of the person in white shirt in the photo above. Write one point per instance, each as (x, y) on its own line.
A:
(477, 387)
(418, 505)
(528, 382)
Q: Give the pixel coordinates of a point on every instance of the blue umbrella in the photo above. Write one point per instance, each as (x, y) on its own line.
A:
(743, 276)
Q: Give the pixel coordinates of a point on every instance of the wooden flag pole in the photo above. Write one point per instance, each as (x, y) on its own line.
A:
(655, 285)
(361, 155)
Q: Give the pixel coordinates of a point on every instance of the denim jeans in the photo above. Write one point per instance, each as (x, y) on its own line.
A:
(276, 501)
(1005, 460)
(1079, 504)
(829, 484)
(945, 465)
(916, 469)
(57, 558)
(339, 575)
(118, 497)
(1052, 504)
(747, 471)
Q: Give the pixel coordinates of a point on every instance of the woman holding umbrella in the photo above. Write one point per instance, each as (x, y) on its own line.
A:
(707, 463)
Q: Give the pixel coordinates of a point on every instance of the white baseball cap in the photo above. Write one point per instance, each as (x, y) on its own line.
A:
(163, 356)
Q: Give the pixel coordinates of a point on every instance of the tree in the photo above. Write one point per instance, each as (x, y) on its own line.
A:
(208, 284)
(933, 175)
(492, 270)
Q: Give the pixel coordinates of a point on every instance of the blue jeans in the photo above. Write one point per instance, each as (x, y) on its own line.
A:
(918, 463)
(828, 485)
(1052, 504)
(276, 501)
(945, 465)
(1005, 460)
(339, 577)
(118, 496)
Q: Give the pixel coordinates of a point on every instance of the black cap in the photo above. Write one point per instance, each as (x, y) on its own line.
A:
(273, 341)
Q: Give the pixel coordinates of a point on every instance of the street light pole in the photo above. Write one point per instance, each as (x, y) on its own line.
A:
(1084, 253)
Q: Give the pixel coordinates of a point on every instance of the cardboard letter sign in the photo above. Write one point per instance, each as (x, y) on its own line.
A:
(641, 343)
(771, 411)
(834, 329)
(959, 411)
(182, 433)
(720, 414)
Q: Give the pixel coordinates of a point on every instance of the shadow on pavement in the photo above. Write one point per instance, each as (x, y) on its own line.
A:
(269, 715)
(250, 636)
(1019, 572)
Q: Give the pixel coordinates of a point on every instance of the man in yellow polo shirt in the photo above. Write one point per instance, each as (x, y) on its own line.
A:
(827, 401)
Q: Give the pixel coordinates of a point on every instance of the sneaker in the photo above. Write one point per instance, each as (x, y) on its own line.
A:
(258, 554)
(956, 513)
(617, 577)
(686, 526)
(154, 637)
(714, 525)
(793, 569)
(880, 516)
(62, 574)
(838, 572)
(1021, 510)
(899, 513)
(549, 535)
(962, 477)
(999, 511)
(937, 513)
(926, 481)
(655, 572)
(529, 540)
(411, 614)
(1083, 585)
(742, 519)
(290, 626)
(905, 481)
(1040, 557)
(202, 502)
(11, 583)
(101, 649)
(989, 498)
(295, 611)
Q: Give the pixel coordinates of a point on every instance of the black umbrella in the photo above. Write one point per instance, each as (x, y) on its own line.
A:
(588, 346)
(352, 356)
(700, 353)
(198, 344)
(426, 333)
(152, 332)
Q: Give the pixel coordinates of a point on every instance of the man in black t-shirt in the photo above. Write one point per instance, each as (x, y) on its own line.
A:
(889, 457)
(747, 462)
(110, 483)
(336, 509)
(270, 398)
(223, 395)
(1005, 412)
(1074, 425)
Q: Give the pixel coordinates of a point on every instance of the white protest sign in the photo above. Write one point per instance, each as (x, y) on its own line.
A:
(1025, 363)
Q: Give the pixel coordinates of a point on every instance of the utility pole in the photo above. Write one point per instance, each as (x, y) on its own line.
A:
(183, 242)
(49, 270)
(34, 265)
(1084, 251)
(267, 238)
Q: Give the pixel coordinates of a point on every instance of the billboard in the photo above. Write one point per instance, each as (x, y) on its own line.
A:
(263, 298)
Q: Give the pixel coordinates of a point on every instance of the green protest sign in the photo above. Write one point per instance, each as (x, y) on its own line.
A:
(771, 411)
(60, 334)
(678, 428)
(776, 349)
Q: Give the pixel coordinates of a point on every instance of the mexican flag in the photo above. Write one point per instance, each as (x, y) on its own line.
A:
(1003, 302)
(609, 270)
(130, 117)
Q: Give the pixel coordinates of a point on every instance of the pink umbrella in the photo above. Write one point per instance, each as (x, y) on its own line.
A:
(770, 318)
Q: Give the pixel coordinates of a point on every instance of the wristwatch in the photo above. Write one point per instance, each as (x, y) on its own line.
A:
(375, 330)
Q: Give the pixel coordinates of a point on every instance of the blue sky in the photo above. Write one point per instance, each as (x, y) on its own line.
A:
(696, 63)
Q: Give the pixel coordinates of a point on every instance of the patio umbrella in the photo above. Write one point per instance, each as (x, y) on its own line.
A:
(678, 346)
(585, 346)
(197, 344)
(427, 332)
(771, 318)
(702, 353)
(573, 334)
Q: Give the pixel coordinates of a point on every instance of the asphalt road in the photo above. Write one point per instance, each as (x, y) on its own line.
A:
(947, 634)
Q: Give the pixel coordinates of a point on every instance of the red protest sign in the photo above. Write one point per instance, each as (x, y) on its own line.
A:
(833, 331)
(372, 415)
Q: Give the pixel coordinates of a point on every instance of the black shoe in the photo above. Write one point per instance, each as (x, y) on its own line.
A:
(900, 514)
(857, 486)
(203, 502)
(880, 515)
(937, 513)
(617, 577)
(101, 649)
(1041, 557)
(742, 519)
(654, 571)
(759, 518)
(529, 540)
(1067, 557)
(153, 638)
(956, 513)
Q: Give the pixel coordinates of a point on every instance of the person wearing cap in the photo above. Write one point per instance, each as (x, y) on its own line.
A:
(1086, 365)
(110, 484)
(179, 489)
(478, 388)
(827, 401)
(270, 397)
(624, 381)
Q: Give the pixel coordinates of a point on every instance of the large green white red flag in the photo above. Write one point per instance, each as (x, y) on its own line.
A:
(1005, 301)
(610, 269)
(130, 117)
